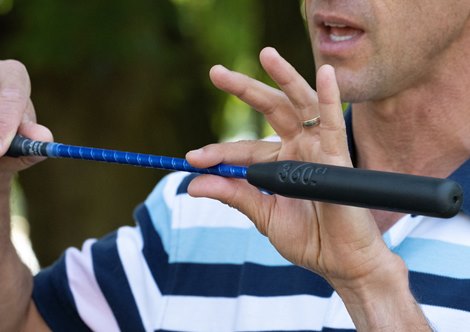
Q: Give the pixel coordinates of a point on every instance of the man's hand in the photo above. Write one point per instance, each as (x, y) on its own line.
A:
(17, 115)
(341, 243)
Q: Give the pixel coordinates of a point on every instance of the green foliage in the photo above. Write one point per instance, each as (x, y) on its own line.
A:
(5, 6)
(58, 35)
(228, 31)
(241, 22)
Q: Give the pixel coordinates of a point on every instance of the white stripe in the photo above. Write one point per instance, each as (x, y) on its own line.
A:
(446, 319)
(402, 228)
(337, 316)
(455, 230)
(146, 293)
(174, 180)
(90, 301)
(246, 313)
(205, 212)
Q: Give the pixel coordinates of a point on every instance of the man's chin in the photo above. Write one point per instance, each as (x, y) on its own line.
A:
(352, 92)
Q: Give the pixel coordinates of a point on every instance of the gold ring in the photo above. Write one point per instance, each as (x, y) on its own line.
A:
(311, 122)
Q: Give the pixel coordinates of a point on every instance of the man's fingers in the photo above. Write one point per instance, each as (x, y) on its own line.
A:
(251, 91)
(332, 126)
(35, 131)
(272, 102)
(236, 153)
(296, 88)
(14, 99)
(14, 78)
(17, 113)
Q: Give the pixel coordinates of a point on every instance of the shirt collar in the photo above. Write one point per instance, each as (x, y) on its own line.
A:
(461, 175)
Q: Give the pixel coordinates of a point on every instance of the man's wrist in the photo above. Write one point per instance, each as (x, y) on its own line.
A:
(382, 300)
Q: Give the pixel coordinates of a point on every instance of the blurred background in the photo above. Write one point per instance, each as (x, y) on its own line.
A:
(133, 75)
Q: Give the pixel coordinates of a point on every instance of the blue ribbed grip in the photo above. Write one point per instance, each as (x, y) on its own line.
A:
(22, 146)
(58, 150)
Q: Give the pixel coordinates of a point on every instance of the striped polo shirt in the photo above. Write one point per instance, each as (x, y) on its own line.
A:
(195, 264)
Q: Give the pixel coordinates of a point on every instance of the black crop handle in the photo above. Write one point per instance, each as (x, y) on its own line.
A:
(364, 188)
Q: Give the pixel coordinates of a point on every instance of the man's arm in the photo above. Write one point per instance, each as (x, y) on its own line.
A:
(17, 310)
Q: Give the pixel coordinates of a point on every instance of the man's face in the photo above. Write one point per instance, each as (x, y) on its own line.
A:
(382, 47)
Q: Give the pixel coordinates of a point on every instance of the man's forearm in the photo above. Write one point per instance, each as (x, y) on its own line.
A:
(16, 279)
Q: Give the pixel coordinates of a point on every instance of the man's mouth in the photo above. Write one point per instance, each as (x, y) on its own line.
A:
(340, 32)
(336, 35)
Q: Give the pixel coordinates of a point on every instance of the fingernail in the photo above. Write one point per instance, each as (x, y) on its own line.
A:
(195, 153)
(219, 68)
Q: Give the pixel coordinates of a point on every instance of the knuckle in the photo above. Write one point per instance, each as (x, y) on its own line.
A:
(232, 200)
(12, 96)
(280, 102)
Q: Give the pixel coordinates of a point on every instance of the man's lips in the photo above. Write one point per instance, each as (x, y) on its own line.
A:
(330, 19)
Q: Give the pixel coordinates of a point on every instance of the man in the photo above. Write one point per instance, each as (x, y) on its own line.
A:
(194, 264)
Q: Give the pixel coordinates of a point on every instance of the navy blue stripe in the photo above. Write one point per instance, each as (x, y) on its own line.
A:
(440, 291)
(183, 186)
(226, 280)
(349, 134)
(223, 280)
(114, 285)
(54, 299)
(153, 250)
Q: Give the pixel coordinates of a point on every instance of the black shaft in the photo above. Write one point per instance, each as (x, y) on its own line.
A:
(357, 187)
